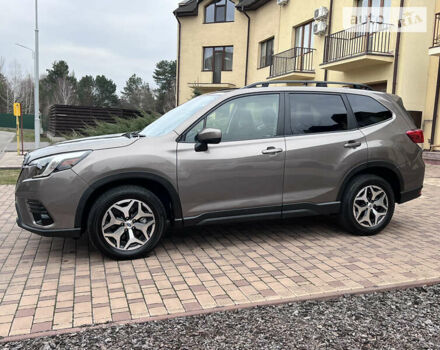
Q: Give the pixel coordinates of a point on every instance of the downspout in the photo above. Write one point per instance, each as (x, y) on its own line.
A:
(330, 18)
(247, 46)
(396, 59)
(434, 117)
(178, 62)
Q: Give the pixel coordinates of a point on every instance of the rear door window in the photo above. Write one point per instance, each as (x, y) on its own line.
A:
(367, 110)
(317, 113)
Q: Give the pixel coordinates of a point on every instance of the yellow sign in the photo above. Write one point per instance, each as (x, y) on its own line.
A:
(17, 109)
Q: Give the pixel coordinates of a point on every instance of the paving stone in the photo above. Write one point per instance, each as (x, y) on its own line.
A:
(49, 284)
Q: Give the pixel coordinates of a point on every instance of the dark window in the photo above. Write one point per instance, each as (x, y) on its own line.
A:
(221, 60)
(266, 53)
(367, 110)
(220, 11)
(313, 113)
(244, 118)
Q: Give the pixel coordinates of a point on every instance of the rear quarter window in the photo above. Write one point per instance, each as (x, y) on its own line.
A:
(368, 111)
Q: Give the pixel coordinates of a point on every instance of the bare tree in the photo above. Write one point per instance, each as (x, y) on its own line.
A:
(64, 93)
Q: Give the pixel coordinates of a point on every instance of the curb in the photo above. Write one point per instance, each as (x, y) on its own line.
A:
(317, 297)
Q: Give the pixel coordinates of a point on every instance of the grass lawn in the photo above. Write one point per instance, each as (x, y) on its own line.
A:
(9, 177)
(27, 134)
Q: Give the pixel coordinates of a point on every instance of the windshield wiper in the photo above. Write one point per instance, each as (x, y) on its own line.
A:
(132, 134)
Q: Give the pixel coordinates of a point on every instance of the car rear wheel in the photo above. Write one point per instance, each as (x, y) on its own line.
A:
(367, 205)
(126, 222)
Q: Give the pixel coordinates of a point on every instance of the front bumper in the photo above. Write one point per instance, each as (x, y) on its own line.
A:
(65, 233)
(59, 194)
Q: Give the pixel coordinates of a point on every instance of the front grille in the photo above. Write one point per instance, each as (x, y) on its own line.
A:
(40, 213)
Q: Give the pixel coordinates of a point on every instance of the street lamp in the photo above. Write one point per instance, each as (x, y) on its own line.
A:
(37, 82)
(35, 55)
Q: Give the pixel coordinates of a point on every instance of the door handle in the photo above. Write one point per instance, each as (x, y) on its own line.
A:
(352, 144)
(272, 150)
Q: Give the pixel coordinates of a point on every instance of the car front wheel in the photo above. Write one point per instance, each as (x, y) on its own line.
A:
(126, 222)
(367, 205)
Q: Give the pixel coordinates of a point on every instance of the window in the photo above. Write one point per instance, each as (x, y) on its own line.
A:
(220, 11)
(304, 36)
(172, 119)
(244, 118)
(219, 57)
(367, 110)
(373, 10)
(266, 52)
(314, 113)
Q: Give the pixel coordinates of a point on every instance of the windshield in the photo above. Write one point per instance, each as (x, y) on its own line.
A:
(171, 120)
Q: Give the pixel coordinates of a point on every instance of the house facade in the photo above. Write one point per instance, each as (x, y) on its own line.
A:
(228, 44)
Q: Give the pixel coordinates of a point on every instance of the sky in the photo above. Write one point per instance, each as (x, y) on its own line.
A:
(116, 38)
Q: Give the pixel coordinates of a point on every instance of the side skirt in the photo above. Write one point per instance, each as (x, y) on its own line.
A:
(263, 213)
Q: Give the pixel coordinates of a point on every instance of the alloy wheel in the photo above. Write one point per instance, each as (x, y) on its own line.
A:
(370, 206)
(128, 224)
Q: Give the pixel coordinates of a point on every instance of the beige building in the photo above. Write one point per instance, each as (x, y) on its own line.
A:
(227, 44)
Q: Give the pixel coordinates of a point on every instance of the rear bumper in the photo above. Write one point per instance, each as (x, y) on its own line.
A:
(410, 195)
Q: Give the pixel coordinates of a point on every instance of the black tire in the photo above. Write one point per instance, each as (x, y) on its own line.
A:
(113, 196)
(347, 217)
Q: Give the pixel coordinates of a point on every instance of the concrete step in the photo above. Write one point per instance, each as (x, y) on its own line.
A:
(431, 155)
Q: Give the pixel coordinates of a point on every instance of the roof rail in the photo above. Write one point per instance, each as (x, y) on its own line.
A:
(307, 82)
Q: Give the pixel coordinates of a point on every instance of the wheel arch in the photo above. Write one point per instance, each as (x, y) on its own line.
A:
(385, 170)
(160, 186)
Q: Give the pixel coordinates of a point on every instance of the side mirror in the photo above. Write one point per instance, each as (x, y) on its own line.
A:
(207, 136)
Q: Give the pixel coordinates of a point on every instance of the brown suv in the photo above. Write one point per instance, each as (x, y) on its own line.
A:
(253, 153)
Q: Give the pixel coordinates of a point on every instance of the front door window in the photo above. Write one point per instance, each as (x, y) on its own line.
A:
(244, 118)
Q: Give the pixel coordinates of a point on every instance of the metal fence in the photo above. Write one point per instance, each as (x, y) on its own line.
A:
(64, 119)
(365, 38)
(8, 121)
(297, 59)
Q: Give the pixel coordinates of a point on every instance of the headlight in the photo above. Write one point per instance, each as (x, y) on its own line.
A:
(46, 166)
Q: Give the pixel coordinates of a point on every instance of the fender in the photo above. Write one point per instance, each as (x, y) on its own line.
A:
(365, 166)
(175, 199)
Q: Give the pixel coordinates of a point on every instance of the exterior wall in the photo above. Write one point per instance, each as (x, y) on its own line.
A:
(195, 35)
(416, 75)
(265, 23)
(428, 112)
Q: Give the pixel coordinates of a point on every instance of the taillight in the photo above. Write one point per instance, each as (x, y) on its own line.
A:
(416, 136)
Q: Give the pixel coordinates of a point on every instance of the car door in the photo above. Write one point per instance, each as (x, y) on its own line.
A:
(324, 145)
(242, 176)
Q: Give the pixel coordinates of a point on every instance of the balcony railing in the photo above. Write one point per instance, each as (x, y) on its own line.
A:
(366, 38)
(297, 59)
(436, 39)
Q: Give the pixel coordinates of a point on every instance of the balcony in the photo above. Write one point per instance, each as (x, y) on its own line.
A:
(295, 63)
(435, 49)
(360, 46)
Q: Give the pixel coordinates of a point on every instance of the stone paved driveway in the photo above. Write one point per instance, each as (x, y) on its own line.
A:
(51, 284)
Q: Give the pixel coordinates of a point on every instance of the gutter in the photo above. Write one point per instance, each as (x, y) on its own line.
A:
(396, 59)
(178, 61)
(247, 45)
(434, 117)
(330, 18)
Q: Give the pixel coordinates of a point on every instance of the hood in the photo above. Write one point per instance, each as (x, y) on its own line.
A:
(83, 144)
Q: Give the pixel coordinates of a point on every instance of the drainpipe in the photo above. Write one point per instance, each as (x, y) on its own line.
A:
(330, 17)
(178, 62)
(247, 46)
(396, 59)
(434, 117)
